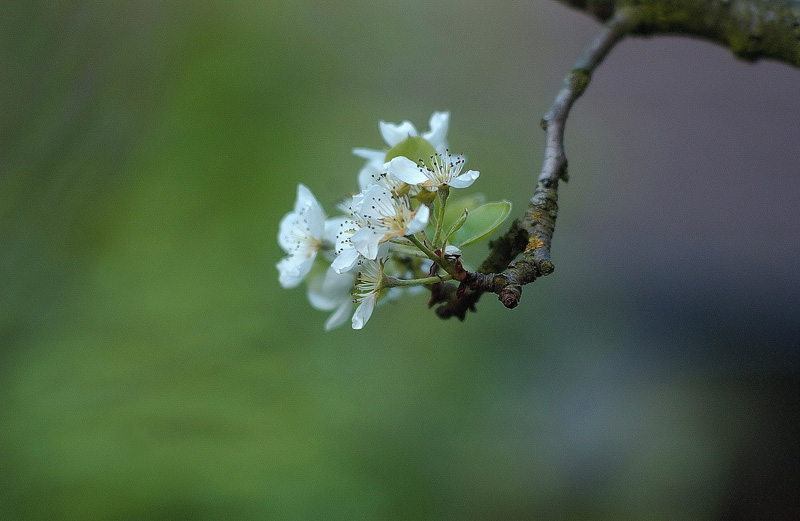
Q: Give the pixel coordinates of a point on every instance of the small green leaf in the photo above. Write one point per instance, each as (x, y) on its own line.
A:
(455, 207)
(414, 148)
(482, 221)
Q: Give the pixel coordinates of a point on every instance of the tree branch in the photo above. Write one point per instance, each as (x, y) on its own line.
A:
(532, 234)
(752, 29)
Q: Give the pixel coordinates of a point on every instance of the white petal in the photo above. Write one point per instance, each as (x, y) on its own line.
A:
(366, 242)
(369, 175)
(304, 198)
(353, 205)
(452, 251)
(406, 170)
(357, 201)
(378, 202)
(339, 316)
(393, 134)
(384, 248)
(420, 220)
(338, 283)
(464, 180)
(315, 219)
(327, 291)
(364, 311)
(333, 226)
(346, 260)
(373, 195)
(316, 297)
(293, 269)
(392, 182)
(373, 156)
(437, 135)
(286, 228)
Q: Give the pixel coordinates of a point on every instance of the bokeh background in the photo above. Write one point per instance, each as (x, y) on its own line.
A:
(152, 368)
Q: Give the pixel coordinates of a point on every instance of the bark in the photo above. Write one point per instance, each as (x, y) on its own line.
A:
(751, 29)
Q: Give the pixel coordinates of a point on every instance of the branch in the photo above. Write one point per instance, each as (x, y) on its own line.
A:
(752, 29)
(532, 234)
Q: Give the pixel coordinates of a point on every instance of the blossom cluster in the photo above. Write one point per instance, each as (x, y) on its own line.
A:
(390, 238)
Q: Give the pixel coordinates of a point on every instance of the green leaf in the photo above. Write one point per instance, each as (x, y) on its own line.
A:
(414, 148)
(482, 221)
(455, 207)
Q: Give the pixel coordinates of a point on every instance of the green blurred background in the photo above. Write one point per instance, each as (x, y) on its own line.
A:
(151, 367)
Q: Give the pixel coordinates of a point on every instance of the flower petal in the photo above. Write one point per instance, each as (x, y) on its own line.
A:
(316, 297)
(293, 269)
(384, 248)
(452, 251)
(346, 260)
(393, 134)
(304, 198)
(373, 156)
(464, 180)
(437, 135)
(288, 224)
(333, 226)
(307, 206)
(406, 170)
(315, 219)
(339, 316)
(366, 241)
(369, 175)
(326, 292)
(420, 220)
(364, 311)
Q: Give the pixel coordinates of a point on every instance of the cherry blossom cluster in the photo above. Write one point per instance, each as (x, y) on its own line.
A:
(392, 237)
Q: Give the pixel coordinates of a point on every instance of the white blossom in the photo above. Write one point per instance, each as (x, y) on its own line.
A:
(331, 291)
(369, 284)
(378, 175)
(370, 255)
(346, 254)
(393, 134)
(445, 170)
(300, 236)
(437, 135)
(382, 216)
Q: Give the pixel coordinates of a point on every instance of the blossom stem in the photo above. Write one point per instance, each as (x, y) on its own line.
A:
(391, 282)
(427, 251)
(443, 193)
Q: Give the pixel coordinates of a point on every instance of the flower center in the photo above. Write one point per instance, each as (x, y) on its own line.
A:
(392, 213)
(444, 167)
(369, 280)
(304, 241)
